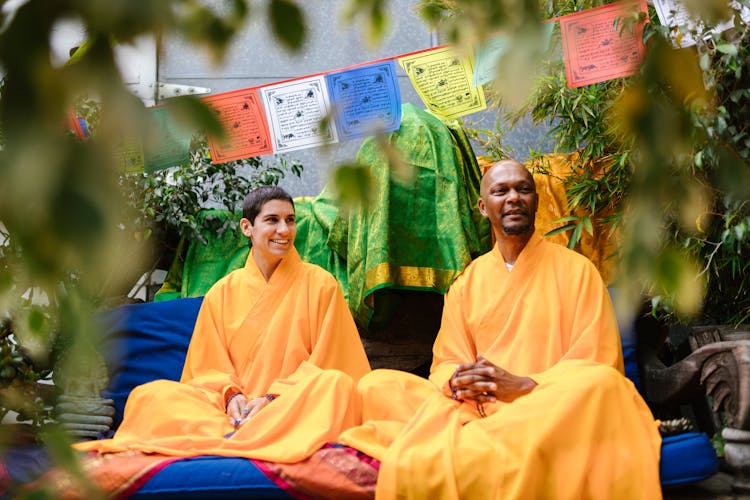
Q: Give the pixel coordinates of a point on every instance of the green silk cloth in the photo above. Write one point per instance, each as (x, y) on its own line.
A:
(416, 235)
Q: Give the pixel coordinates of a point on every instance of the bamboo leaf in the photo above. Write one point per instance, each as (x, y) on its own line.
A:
(587, 225)
(561, 229)
(567, 218)
(575, 236)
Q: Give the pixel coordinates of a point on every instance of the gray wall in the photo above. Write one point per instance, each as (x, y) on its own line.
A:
(256, 58)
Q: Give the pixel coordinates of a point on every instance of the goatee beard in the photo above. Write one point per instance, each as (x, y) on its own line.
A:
(516, 230)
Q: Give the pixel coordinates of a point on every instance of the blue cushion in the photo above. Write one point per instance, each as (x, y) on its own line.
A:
(630, 357)
(210, 477)
(686, 458)
(144, 342)
(629, 340)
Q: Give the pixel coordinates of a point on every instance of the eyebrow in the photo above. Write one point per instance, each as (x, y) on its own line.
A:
(292, 214)
(511, 183)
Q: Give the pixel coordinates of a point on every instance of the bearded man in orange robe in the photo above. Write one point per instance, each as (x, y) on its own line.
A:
(526, 396)
(271, 369)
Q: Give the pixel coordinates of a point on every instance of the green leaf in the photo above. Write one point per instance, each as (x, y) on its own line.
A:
(705, 61)
(192, 110)
(353, 185)
(587, 225)
(575, 236)
(739, 230)
(561, 229)
(378, 21)
(727, 48)
(567, 218)
(288, 23)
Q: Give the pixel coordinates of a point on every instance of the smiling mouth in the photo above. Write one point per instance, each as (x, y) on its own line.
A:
(280, 242)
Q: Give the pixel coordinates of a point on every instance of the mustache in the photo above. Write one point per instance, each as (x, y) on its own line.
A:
(516, 211)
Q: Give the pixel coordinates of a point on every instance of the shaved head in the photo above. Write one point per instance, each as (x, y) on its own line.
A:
(503, 164)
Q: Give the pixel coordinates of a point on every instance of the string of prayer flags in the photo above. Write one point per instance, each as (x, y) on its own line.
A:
(444, 82)
(357, 101)
(365, 99)
(672, 13)
(298, 114)
(166, 143)
(241, 114)
(596, 49)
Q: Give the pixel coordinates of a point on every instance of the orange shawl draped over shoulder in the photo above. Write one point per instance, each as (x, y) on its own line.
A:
(582, 432)
(293, 336)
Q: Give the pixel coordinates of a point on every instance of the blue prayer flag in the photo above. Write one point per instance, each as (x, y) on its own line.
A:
(365, 99)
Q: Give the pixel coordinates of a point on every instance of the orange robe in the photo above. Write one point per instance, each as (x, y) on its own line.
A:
(293, 336)
(582, 432)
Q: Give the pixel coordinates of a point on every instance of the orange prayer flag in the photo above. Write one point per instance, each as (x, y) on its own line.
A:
(596, 50)
(241, 113)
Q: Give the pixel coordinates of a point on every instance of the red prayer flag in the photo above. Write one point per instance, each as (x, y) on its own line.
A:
(595, 50)
(242, 115)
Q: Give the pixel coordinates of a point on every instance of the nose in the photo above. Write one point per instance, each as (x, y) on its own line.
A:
(282, 228)
(513, 195)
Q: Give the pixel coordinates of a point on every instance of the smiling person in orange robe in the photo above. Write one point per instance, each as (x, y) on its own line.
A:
(526, 397)
(271, 367)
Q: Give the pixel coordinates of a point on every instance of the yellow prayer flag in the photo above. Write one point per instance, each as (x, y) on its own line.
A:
(129, 154)
(444, 82)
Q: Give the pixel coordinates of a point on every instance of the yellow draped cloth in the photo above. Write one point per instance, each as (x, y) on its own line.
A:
(293, 336)
(582, 432)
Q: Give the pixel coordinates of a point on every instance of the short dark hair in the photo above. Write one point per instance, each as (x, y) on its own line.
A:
(255, 199)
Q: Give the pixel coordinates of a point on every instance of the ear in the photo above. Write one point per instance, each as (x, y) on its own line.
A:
(247, 227)
(482, 210)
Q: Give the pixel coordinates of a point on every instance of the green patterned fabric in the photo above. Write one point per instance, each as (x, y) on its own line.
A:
(417, 235)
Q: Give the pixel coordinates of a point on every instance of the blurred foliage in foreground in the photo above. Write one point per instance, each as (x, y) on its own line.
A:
(63, 246)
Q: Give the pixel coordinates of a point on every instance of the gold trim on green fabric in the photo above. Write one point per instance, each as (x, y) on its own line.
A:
(410, 276)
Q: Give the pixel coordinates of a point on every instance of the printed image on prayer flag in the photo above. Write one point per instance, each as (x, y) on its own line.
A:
(444, 82)
(296, 111)
(166, 143)
(365, 99)
(595, 50)
(241, 114)
(129, 155)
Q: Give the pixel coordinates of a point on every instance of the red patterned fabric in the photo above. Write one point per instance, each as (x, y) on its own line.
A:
(334, 471)
(116, 475)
